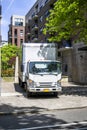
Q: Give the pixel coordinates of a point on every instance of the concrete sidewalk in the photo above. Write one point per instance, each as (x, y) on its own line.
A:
(13, 100)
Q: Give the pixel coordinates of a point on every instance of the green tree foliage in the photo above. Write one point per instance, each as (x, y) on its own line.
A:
(67, 20)
(8, 55)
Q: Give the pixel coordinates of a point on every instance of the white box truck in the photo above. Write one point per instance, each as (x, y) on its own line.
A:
(39, 69)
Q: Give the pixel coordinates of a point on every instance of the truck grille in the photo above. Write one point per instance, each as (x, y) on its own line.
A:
(45, 84)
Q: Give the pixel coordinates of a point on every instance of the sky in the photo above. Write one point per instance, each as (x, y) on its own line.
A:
(13, 7)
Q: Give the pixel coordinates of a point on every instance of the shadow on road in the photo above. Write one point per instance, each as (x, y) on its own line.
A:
(33, 118)
(74, 90)
(18, 88)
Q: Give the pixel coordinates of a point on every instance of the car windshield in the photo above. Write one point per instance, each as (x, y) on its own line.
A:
(45, 67)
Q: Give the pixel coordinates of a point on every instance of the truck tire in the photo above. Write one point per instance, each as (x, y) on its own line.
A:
(20, 83)
(55, 94)
(28, 94)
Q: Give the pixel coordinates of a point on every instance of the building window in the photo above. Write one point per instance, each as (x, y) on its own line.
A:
(41, 30)
(21, 32)
(36, 21)
(18, 22)
(36, 8)
(41, 7)
(47, 14)
(15, 41)
(21, 41)
(15, 32)
(41, 4)
(36, 32)
(33, 14)
(41, 18)
(46, 1)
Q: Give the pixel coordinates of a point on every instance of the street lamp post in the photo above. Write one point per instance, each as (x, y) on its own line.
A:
(0, 45)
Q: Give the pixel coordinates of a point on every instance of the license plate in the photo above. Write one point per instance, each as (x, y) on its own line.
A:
(46, 90)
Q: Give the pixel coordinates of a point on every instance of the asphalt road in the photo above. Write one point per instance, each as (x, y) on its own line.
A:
(46, 120)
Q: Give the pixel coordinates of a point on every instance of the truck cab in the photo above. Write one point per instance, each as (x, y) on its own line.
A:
(43, 76)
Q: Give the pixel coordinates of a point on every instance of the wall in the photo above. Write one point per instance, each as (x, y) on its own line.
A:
(74, 63)
(79, 64)
(66, 59)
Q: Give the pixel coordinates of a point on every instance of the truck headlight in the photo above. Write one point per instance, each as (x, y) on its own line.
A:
(30, 81)
(59, 82)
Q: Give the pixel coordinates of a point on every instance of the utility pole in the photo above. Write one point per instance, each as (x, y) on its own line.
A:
(0, 46)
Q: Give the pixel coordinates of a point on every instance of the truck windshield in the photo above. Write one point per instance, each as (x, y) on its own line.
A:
(45, 67)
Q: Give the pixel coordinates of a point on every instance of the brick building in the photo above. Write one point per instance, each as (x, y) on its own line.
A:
(16, 33)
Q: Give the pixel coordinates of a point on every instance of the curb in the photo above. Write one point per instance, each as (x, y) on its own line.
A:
(34, 111)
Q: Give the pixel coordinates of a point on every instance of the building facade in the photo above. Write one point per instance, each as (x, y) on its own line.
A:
(16, 33)
(36, 19)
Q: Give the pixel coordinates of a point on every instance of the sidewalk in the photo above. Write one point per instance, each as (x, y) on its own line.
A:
(13, 100)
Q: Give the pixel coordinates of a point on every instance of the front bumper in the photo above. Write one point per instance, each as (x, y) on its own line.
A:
(59, 89)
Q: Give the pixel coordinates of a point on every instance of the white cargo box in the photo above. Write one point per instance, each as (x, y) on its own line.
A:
(39, 51)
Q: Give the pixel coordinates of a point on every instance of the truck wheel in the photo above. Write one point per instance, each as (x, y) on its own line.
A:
(20, 83)
(55, 94)
(27, 92)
